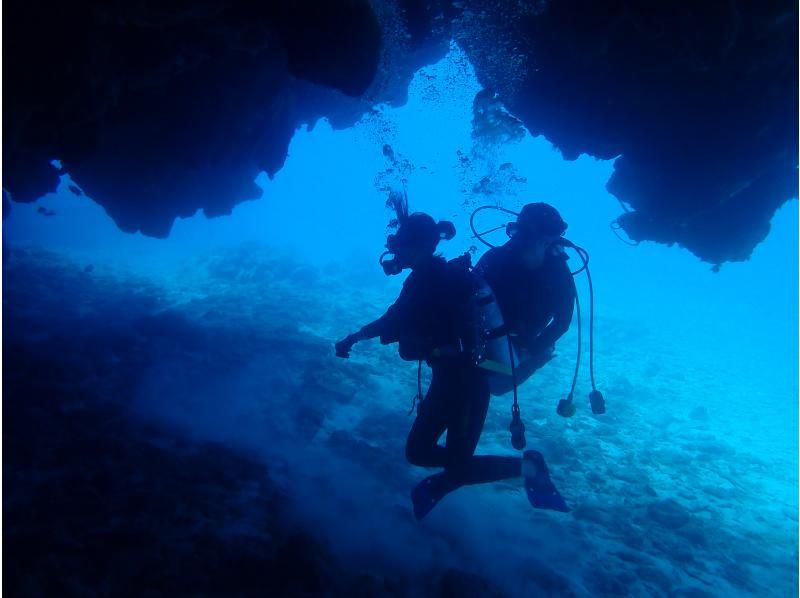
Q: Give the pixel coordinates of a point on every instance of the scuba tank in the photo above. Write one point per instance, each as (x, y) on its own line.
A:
(490, 350)
(493, 350)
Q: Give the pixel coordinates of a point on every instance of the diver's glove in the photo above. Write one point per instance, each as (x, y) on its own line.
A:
(344, 346)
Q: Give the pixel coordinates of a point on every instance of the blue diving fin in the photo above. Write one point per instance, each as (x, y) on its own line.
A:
(540, 489)
(427, 494)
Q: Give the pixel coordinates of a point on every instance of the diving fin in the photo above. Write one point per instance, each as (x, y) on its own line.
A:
(541, 491)
(427, 494)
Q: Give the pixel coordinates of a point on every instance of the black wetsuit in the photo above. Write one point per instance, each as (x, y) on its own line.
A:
(536, 304)
(432, 313)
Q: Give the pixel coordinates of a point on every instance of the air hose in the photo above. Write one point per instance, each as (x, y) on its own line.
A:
(596, 400)
(566, 408)
(478, 235)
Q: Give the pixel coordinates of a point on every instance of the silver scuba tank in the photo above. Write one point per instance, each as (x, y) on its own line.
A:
(492, 350)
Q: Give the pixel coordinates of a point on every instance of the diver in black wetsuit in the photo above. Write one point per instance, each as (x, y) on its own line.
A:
(533, 285)
(430, 320)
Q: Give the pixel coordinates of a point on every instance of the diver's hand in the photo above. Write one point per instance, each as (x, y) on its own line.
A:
(344, 346)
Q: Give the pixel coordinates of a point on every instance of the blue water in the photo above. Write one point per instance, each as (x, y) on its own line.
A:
(687, 486)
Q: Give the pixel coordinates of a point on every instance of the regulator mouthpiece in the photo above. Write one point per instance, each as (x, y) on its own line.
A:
(391, 267)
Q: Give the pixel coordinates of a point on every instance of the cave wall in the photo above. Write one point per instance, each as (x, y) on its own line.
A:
(696, 100)
(158, 110)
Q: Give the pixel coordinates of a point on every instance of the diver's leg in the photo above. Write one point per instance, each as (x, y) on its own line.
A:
(465, 468)
(422, 448)
(467, 416)
(464, 399)
(461, 402)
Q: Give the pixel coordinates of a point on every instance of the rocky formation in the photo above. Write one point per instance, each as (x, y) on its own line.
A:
(698, 101)
(159, 110)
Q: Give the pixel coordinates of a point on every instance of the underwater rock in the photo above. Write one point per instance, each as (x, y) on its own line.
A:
(164, 110)
(387, 465)
(724, 490)
(157, 111)
(691, 592)
(675, 548)
(699, 413)
(491, 122)
(738, 573)
(461, 584)
(301, 566)
(669, 513)
(548, 581)
(602, 580)
(119, 506)
(594, 479)
(697, 102)
(595, 513)
(694, 533)
(126, 506)
(655, 576)
(370, 586)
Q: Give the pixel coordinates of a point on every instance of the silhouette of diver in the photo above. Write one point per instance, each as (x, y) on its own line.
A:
(431, 320)
(533, 285)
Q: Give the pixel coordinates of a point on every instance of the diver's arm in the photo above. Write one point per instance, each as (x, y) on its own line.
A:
(382, 327)
(560, 322)
(545, 341)
(373, 329)
(366, 332)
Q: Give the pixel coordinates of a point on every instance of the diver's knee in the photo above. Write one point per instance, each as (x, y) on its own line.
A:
(414, 453)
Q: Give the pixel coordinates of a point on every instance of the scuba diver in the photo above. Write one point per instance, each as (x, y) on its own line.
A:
(535, 291)
(433, 320)
(533, 285)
